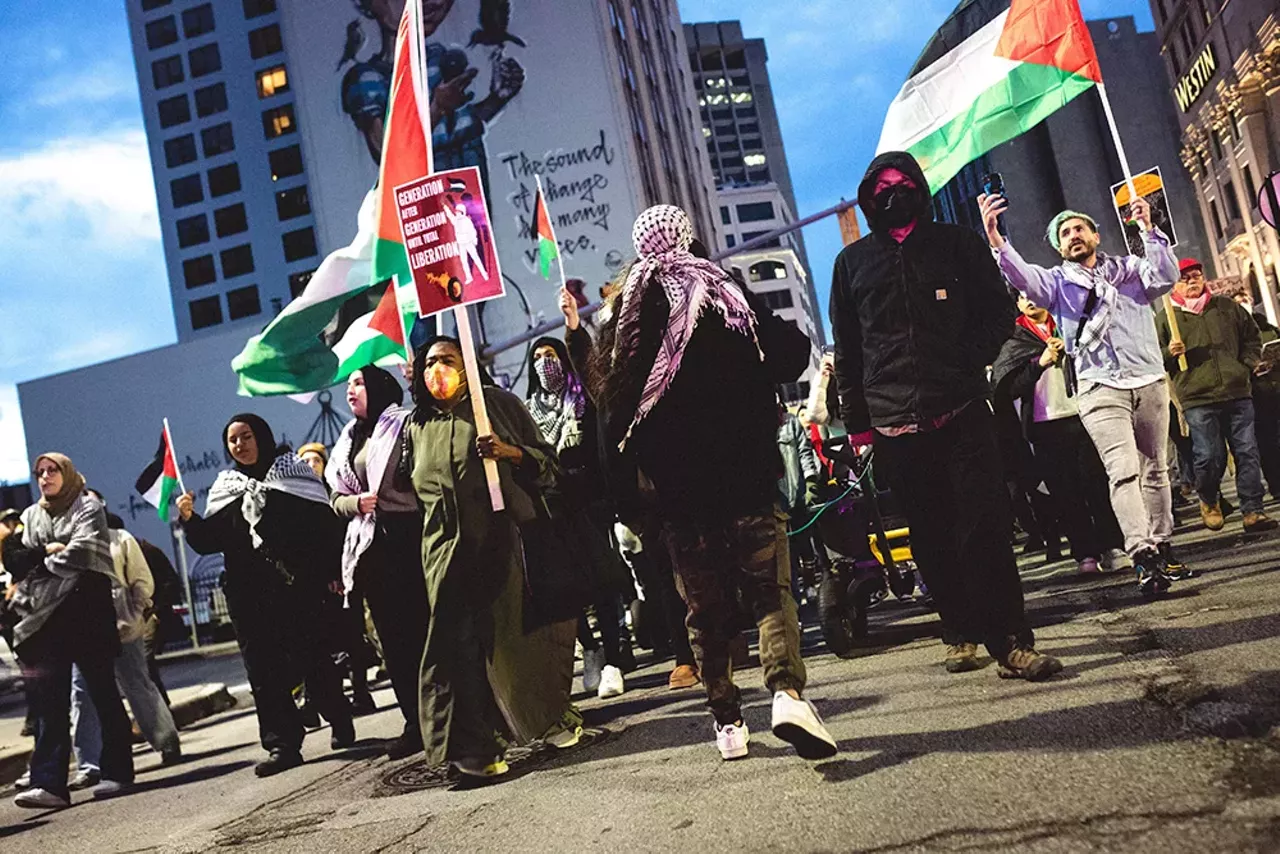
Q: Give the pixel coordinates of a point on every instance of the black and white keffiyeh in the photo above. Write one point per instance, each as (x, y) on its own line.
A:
(288, 474)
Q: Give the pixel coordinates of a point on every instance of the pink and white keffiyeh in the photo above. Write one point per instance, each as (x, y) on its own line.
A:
(662, 236)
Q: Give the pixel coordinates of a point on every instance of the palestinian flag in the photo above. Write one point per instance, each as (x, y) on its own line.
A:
(378, 338)
(992, 71)
(548, 249)
(159, 479)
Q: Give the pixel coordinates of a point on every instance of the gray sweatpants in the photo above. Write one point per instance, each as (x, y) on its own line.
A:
(1130, 428)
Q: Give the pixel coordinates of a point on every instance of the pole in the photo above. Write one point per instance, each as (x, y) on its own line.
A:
(483, 427)
(181, 537)
(1174, 334)
(168, 438)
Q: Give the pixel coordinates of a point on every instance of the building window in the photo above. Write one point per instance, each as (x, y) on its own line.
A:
(1217, 219)
(258, 8)
(161, 32)
(167, 72)
(230, 220)
(1250, 188)
(224, 179)
(211, 100)
(148, 5)
(285, 162)
(765, 270)
(755, 158)
(217, 140)
(730, 240)
(237, 261)
(1215, 137)
(205, 60)
(724, 215)
(752, 235)
(293, 203)
(199, 271)
(1229, 198)
(174, 111)
(193, 231)
(186, 191)
(205, 312)
(299, 244)
(755, 211)
(265, 41)
(179, 150)
(243, 302)
(278, 122)
(272, 81)
(298, 281)
(777, 300)
(197, 21)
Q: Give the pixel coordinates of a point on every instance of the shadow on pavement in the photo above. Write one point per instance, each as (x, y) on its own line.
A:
(22, 827)
(195, 775)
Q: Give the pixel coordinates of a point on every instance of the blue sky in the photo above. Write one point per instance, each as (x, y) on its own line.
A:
(83, 276)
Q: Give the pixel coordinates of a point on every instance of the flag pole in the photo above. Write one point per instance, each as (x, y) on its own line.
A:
(483, 428)
(1175, 335)
(168, 441)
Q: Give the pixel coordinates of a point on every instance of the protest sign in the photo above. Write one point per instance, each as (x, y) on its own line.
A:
(1150, 186)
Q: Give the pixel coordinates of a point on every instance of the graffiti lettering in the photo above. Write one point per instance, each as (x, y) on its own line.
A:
(520, 165)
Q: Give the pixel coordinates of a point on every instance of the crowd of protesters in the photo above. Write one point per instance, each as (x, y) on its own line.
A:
(652, 450)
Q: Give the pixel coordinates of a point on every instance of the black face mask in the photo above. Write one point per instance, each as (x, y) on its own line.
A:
(896, 205)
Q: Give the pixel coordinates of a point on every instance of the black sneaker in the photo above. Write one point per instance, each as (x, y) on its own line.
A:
(1173, 565)
(279, 760)
(403, 746)
(1152, 580)
(342, 735)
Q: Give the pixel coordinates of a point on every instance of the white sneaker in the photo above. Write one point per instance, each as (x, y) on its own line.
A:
(798, 722)
(611, 683)
(592, 667)
(732, 740)
(1116, 559)
(39, 799)
(111, 789)
(23, 782)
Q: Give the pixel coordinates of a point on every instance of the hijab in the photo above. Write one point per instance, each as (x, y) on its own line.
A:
(72, 484)
(266, 440)
(662, 236)
(382, 392)
(557, 407)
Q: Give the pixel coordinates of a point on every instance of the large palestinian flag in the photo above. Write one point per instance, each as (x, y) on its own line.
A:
(993, 71)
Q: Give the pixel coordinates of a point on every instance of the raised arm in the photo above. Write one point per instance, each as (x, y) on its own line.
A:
(1036, 283)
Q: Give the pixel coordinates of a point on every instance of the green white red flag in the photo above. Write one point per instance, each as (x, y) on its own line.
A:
(993, 71)
(548, 248)
(160, 478)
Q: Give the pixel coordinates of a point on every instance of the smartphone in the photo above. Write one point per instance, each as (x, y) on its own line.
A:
(993, 183)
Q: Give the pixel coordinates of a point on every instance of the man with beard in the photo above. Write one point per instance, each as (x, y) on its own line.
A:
(1103, 307)
(919, 310)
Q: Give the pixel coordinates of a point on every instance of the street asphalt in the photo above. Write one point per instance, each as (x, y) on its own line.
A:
(1159, 736)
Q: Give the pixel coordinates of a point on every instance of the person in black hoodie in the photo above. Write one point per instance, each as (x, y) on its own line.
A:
(686, 370)
(281, 546)
(918, 311)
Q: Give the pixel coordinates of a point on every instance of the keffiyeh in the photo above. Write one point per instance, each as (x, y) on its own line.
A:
(287, 473)
(662, 236)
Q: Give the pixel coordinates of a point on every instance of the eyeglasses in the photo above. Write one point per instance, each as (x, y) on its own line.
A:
(46, 472)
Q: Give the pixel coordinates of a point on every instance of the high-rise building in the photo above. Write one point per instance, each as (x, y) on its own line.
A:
(1223, 63)
(264, 120)
(1069, 159)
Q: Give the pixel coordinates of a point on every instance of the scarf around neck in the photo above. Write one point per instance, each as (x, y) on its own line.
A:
(662, 236)
(72, 484)
(287, 474)
(1195, 306)
(1034, 328)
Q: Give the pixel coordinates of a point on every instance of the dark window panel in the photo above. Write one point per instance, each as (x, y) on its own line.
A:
(257, 8)
(205, 312)
(179, 150)
(197, 21)
(205, 60)
(174, 111)
(243, 302)
(161, 32)
(724, 215)
(230, 220)
(167, 72)
(298, 281)
(299, 244)
(193, 230)
(285, 162)
(199, 271)
(763, 271)
(755, 211)
(265, 41)
(294, 202)
(211, 100)
(217, 140)
(237, 261)
(186, 190)
(224, 179)
(278, 121)
(148, 5)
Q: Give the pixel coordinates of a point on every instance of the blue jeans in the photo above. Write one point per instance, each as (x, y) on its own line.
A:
(153, 716)
(1210, 425)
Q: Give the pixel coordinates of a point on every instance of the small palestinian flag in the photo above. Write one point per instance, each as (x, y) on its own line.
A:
(548, 249)
(158, 481)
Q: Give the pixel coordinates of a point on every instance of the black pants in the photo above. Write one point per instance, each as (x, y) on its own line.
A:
(950, 483)
(1078, 483)
(653, 567)
(281, 630)
(391, 580)
(81, 631)
(1266, 426)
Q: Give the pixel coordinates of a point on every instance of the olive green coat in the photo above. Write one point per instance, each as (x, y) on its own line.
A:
(471, 558)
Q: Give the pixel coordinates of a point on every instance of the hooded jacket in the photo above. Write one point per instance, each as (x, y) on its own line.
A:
(583, 465)
(915, 323)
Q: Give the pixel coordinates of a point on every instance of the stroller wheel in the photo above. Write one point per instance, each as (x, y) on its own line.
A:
(842, 618)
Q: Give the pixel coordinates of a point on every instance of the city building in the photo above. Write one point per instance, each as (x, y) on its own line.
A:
(1069, 159)
(1223, 63)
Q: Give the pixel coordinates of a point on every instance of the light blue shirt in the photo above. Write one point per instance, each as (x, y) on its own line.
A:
(1129, 356)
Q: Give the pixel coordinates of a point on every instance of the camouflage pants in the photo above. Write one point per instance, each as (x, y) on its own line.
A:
(713, 564)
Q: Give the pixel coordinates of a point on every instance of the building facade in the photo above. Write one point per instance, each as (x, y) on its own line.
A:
(1069, 160)
(1223, 64)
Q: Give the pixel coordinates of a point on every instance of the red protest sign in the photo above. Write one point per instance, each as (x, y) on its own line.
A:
(445, 225)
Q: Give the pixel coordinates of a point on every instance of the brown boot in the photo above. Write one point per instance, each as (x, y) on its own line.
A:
(684, 676)
(1212, 516)
(1025, 663)
(962, 658)
(1256, 523)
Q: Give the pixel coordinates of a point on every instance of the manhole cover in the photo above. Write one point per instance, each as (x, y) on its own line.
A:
(418, 776)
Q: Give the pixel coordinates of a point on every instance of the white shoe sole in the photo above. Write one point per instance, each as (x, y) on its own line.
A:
(608, 693)
(734, 753)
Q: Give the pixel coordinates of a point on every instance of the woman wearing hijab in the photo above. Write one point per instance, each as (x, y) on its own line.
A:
(269, 516)
(65, 576)
(381, 559)
(687, 369)
(559, 406)
(482, 672)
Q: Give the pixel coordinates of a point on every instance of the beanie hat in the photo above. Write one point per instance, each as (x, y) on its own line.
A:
(1052, 234)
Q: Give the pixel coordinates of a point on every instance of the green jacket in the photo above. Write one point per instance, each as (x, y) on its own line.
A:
(1223, 346)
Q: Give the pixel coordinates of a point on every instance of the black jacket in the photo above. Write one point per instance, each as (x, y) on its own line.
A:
(915, 324)
(1016, 372)
(710, 444)
(583, 479)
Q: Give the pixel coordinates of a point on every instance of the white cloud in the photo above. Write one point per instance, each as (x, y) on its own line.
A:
(103, 81)
(13, 448)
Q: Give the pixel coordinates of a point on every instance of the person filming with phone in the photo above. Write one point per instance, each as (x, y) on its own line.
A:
(1102, 304)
